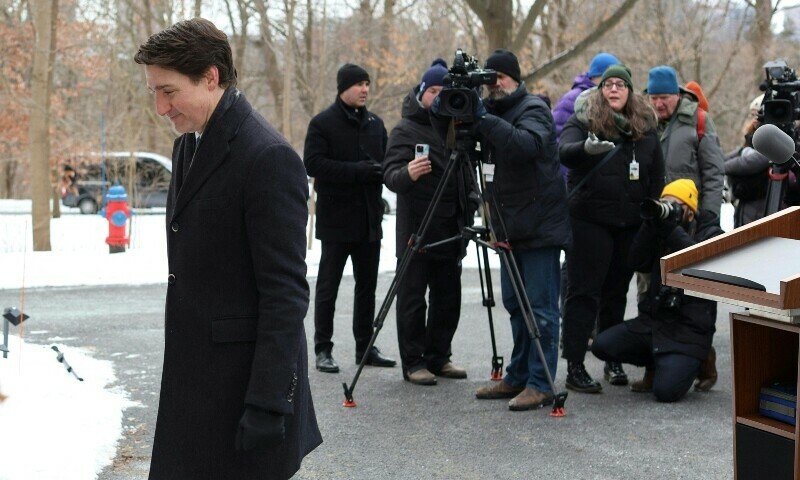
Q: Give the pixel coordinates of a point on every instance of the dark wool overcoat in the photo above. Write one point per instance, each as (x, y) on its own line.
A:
(338, 139)
(236, 299)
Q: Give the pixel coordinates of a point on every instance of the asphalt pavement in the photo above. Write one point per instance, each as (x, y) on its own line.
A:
(404, 431)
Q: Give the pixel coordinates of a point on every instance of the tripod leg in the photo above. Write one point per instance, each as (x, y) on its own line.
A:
(413, 246)
(508, 259)
(489, 303)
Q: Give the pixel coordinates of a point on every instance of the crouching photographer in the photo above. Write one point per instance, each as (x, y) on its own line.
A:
(671, 336)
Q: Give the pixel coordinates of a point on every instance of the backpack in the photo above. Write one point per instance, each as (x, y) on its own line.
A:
(701, 123)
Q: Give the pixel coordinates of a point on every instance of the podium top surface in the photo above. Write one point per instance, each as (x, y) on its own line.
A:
(725, 268)
(766, 261)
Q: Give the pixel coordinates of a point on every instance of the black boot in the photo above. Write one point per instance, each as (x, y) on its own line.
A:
(580, 380)
(614, 374)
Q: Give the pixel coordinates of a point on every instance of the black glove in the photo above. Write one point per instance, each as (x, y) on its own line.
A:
(478, 108)
(664, 227)
(259, 428)
(369, 172)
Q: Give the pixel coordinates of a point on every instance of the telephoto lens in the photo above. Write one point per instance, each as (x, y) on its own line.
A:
(661, 210)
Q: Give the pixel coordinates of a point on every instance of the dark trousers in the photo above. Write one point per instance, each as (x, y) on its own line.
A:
(365, 258)
(597, 286)
(674, 372)
(427, 344)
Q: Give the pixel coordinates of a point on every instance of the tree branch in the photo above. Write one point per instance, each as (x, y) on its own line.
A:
(563, 57)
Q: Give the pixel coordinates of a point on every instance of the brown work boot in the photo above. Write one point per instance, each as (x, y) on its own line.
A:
(498, 390)
(449, 370)
(707, 376)
(530, 399)
(645, 385)
(421, 377)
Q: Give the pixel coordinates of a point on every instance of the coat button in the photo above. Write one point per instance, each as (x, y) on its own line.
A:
(171, 279)
(174, 226)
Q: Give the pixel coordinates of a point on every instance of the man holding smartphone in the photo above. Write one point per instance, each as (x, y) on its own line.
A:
(414, 165)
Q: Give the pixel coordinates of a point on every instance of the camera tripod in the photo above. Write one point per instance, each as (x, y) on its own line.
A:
(459, 158)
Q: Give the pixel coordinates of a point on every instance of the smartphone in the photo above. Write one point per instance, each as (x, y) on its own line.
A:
(421, 150)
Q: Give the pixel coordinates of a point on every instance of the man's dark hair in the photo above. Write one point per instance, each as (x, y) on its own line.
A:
(190, 47)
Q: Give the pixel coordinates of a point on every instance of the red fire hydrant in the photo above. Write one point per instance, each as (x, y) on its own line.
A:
(117, 213)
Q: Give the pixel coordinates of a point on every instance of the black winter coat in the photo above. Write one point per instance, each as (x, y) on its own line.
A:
(236, 299)
(339, 142)
(518, 137)
(689, 328)
(414, 198)
(609, 197)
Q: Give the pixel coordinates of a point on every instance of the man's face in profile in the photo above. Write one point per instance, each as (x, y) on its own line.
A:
(188, 105)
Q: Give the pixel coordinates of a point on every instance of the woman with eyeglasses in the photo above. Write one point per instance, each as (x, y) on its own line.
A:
(614, 158)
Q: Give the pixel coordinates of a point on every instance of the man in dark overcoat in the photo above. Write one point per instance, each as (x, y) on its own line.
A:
(344, 149)
(235, 398)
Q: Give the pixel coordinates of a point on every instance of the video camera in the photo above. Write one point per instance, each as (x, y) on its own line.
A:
(781, 98)
(456, 98)
(662, 210)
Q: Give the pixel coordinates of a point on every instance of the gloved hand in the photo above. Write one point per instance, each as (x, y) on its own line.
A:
(369, 172)
(595, 146)
(478, 108)
(259, 428)
(663, 227)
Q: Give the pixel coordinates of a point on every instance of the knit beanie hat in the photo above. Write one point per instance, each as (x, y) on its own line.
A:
(433, 76)
(695, 88)
(662, 80)
(600, 63)
(683, 189)
(349, 75)
(618, 71)
(504, 61)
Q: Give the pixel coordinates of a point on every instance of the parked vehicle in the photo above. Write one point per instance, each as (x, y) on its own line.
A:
(86, 178)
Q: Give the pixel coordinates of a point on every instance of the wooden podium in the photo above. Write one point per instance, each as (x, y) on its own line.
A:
(757, 267)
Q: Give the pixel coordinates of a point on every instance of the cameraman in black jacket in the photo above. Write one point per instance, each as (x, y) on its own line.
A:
(672, 334)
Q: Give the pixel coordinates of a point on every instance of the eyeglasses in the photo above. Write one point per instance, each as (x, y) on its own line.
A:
(617, 85)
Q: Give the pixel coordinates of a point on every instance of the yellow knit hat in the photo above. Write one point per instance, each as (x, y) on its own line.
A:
(683, 189)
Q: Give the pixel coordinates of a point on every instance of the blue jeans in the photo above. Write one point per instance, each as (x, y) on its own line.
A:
(540, 272)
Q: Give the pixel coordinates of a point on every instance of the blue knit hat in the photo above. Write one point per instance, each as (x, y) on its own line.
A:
(662, 80)
(600, 63)
(433, 76)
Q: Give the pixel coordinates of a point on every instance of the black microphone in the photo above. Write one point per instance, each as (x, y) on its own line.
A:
(774, 143)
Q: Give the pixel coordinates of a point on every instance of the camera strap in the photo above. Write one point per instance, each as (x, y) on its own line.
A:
(595, 169)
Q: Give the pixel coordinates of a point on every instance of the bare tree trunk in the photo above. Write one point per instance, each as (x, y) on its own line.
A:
(44, 18)
(761, 38)
(288, 70)
(197, 5)
(497, 17)
(272, 72)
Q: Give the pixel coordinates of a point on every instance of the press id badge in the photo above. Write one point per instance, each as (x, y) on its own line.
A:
(488, 172)
(633, 170)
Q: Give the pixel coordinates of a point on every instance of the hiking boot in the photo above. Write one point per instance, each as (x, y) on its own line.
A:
(645, 385)
(578, 379)
(449, 370)
(421, 377)
(614, 374)
(707, 376)
(530, 399)
(498, 390)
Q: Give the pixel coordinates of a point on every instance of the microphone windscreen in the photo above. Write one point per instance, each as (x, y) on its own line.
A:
(773, 143)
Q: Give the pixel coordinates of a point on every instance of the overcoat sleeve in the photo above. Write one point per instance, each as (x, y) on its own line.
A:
(276, 211)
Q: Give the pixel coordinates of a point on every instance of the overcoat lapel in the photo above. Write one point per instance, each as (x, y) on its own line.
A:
(213, 149)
